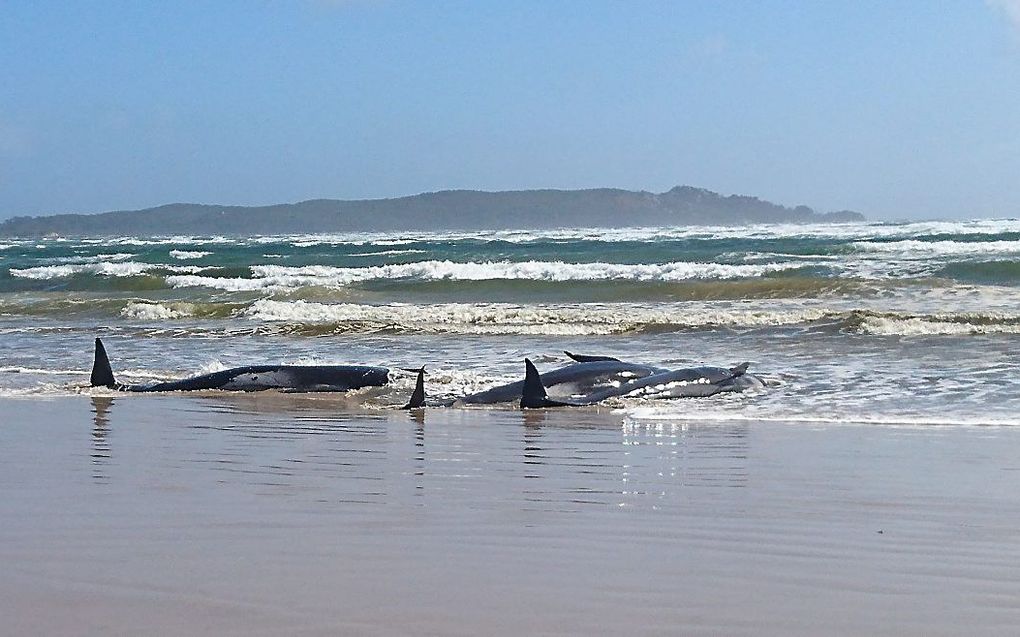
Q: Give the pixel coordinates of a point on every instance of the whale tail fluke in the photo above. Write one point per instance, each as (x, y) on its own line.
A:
(102, 373)
(417, 400)
(534, 396)
(585, 358)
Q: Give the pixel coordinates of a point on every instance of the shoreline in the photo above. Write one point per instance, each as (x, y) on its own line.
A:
(206, 516)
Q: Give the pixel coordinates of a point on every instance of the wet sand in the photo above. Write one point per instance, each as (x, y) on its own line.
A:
(271, 515)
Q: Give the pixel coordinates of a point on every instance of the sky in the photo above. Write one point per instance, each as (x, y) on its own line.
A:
(900, 110)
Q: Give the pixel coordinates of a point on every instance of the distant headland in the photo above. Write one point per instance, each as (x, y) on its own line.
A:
(444, 210)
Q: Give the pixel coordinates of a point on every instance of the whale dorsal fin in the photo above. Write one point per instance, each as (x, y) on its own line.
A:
(533, 395)
(102, 374)
(585, 358)
(418, 395)
(739, 370)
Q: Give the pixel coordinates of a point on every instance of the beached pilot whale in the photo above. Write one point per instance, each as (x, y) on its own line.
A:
(289, 378)
(691, 382)
(417, 400)
(590, 374)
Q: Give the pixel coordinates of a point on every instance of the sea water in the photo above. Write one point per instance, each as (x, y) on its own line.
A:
(897, 323)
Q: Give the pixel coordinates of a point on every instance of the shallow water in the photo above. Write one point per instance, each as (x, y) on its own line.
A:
(268, 514)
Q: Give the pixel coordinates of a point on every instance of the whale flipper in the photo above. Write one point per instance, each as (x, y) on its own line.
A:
(102, 373)
(418, 395)
(533, 395)
(584, 358)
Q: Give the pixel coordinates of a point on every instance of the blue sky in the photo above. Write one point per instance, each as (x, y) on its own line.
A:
(896, 109)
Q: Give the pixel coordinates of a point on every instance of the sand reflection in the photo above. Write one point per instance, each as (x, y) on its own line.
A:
(100, 452)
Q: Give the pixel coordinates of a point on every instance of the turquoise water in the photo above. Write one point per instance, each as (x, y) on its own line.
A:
(846, 321)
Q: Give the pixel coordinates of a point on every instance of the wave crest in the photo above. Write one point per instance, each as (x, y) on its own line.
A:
(277, 276)
(157, 311)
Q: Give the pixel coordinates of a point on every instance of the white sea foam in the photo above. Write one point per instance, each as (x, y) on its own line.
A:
(932, 326)
(129, 268)
(275, 276)
(526, 270)
(122, 269)
(219, 283)
(614, 318)
(913, 248)
(157, 311)
(95, 258)
(156, 241)
(503, 318)
(382, 253)
(185, 255)
(14, 369)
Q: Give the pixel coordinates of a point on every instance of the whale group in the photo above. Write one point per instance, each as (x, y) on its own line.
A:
(587, 380)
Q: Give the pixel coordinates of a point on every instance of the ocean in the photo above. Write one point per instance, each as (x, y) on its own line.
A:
(884, 323)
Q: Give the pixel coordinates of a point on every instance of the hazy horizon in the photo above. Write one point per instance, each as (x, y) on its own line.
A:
(897, 111)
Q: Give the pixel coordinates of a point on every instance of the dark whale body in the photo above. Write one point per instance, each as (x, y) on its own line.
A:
(291, 378)
(690, 382)
(576, 378)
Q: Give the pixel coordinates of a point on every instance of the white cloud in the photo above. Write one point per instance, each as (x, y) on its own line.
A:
(1011, 9)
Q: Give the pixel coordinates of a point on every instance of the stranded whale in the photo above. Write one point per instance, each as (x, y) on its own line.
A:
(417, 400)
(691, 382)
(592, 374)
(291, 378)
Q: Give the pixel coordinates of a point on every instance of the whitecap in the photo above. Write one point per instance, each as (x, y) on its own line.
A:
(185, 255)
(156, 311)
(506, 318)
(912, 248)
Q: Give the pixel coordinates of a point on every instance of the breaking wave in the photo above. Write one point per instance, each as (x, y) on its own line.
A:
(275, 276)
(157, 311)
(122, 269)
(504, 318)
(595, 319)
(185, 255)
(934, 325)
(927, 249)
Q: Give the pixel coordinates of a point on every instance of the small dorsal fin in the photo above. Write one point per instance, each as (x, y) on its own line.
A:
(418, 395)
(585, 358)
(740, 369)
(102, 374)
(533, 395)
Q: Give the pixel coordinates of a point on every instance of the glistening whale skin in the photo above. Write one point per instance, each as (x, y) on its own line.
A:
(691, 382)
(576, 378)
(291, 378)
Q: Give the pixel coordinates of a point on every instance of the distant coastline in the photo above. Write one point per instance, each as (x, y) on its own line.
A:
(444, 210)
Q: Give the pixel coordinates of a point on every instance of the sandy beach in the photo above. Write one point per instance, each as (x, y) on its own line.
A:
(270, 515)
